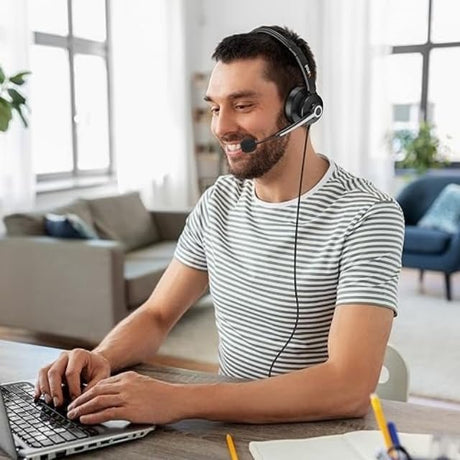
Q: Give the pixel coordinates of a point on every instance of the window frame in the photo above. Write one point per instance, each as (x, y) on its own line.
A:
(77, 45)
(425, 50)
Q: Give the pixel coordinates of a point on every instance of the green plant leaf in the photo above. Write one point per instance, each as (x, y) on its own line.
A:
(16, 97)
(18, 109)
(421, 149)
(13, 99)
(5, 114)
(18, 79)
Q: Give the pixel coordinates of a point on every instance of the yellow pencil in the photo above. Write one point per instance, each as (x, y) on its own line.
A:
(231, 447)
(381, 422)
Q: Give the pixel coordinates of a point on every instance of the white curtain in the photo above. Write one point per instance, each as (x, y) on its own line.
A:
(356, 120)
(152, 122)
(17, 182)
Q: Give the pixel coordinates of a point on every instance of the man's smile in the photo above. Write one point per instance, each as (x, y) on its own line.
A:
(232, 150)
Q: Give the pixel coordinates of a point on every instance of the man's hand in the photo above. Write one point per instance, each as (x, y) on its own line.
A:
(128, 396)
(73, 368)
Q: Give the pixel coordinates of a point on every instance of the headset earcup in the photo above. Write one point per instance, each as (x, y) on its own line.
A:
(294, 103)
(309, 105)
(300, 104)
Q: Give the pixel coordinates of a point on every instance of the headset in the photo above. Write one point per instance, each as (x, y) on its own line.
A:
(303, 105)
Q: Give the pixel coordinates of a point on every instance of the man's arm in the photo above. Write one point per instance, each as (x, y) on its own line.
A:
(138, 337)
(340, 387)
(133, 340)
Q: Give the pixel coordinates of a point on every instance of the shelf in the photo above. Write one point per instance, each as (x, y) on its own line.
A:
(209, 158)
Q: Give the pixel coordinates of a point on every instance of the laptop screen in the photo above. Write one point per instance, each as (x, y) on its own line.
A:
(6, 437)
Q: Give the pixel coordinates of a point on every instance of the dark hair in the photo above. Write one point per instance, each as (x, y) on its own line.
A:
(282, 67)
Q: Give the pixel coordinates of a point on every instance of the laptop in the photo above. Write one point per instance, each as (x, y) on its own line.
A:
(36, 430)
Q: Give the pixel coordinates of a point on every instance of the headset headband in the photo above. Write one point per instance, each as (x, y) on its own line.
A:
(296, 52)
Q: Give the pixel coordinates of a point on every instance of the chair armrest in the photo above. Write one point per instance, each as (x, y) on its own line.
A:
(73, 288)
(452, 256)
(408, 202)
(170, 223)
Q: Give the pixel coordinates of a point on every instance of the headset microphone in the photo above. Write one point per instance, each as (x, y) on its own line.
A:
(249, 144)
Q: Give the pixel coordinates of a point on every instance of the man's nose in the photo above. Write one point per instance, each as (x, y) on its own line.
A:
(224, 124)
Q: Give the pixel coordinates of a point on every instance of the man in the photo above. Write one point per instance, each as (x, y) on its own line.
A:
(304, 297)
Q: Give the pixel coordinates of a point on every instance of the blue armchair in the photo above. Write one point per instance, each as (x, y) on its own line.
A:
(426, 248)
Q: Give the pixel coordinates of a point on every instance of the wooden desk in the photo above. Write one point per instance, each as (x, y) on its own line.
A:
(198, 439)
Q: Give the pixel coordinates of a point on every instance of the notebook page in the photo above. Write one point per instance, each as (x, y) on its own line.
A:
(354, 445)
(324, 447)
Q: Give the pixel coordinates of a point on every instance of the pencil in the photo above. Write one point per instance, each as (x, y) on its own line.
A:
(231, 448)
(380, 417)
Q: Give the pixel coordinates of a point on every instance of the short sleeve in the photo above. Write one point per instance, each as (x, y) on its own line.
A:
(190, 249)
(371, 258)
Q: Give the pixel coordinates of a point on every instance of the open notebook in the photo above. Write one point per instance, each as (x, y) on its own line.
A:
(355, 445)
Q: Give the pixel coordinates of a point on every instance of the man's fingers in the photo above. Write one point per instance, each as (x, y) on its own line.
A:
(101, 375)
(77, 361)
(41, 386)
(70, 366)
(96, 404)
(101, 388)
(92, 383)
(54, 376)
(37, 391)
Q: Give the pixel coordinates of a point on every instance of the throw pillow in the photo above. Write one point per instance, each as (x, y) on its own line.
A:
(24, 224)
(124, 218)
(77, 207)
(68, 226)
(33, 223)
(444, 213)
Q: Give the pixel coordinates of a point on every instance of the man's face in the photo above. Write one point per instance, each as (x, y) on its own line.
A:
(244, 103)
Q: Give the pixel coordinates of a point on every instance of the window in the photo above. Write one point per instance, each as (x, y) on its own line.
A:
(70, 88)
(424, 68)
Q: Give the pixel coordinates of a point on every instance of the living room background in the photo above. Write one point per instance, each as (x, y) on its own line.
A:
(157, 47)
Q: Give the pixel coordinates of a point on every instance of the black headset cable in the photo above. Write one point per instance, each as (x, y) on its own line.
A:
(295, 253)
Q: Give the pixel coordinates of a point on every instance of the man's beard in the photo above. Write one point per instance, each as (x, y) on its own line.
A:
(264, 158)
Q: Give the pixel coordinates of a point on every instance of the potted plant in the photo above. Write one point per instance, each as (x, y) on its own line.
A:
(419, 151)
(11, 99)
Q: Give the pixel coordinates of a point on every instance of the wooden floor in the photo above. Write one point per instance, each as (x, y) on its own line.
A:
(19, 335)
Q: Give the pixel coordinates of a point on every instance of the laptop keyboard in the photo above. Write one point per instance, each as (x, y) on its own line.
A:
(36, 423)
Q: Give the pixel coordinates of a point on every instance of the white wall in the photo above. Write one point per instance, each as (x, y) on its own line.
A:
(221, 18)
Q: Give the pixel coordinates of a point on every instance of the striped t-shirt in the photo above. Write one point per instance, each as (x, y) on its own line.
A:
(348, 252)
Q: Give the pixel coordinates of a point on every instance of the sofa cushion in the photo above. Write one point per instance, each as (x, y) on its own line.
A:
(124, 218)
(68, 226)
(444, 213)
(160, 250)
(144, 268)
(424, 240)
(141, 276)
(33, 223)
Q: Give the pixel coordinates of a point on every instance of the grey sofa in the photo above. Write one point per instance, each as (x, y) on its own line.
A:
(80, 288)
